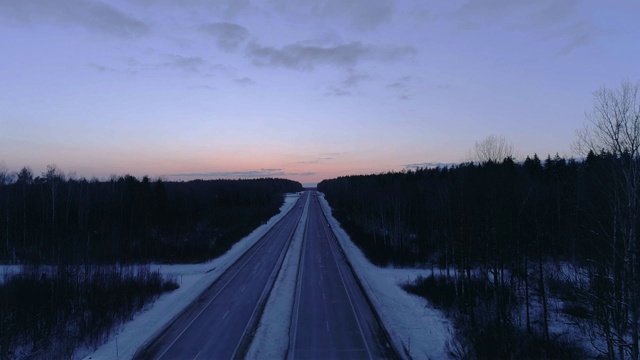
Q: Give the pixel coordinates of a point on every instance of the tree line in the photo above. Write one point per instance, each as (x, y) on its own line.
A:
(53, 218)
(493, 227)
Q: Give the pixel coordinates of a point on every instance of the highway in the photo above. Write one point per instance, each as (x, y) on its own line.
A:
(332, 318)
(220, 323)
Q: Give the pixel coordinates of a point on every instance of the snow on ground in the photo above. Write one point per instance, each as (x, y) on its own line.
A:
(416, 330)
(271, 339)
(7, 271)
(193, 280)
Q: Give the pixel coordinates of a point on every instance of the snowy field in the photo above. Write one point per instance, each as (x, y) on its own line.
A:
(417, 330)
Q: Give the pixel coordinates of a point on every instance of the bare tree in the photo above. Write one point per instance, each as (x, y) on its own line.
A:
(614, 123)
(613, 128)
(494, 148)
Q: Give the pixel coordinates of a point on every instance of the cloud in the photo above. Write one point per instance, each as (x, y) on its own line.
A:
(93, 16)
(402, 87)
(361, 14)
(427, 165)
(355, 78)
(352, 81)
(192, 64)
(573, 36)
(306, 57)
(228, 36)
(337, 91)
(107, 69)
(245, 81)
(252, 174)
(520, 13)
(549, 19)
(201, 87)
(224, 8)
(315, 161)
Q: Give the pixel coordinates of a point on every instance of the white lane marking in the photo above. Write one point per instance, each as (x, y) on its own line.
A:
(242, 290)
(225, 314)
(327, 321)
(198, 354)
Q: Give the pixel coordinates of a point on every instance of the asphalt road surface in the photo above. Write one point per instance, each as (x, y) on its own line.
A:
(332, 318)
(220, 323)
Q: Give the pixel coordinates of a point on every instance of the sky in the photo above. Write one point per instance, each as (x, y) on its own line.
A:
(299, 89)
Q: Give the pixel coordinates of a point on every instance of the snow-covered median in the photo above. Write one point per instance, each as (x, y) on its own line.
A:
(193, 280)
(417, 330)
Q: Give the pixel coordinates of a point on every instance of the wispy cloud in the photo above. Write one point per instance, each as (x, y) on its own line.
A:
(355, 78)
(573, 36)
(361, 14)
(514, 14)
(245, 81)
(403, 87)
(228, 36)
(299, 56)
(351, 82)
(316, 160)
(224, 8)
(95, 16)
(550, 19)
(337, 91)
(193, 64)
(108, 69)
(427, 165)
(251, 174)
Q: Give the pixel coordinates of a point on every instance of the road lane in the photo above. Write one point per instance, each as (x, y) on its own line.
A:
(217, 324)
(332, 317)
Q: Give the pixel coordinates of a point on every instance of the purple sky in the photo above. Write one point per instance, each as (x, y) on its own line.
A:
(300, 89)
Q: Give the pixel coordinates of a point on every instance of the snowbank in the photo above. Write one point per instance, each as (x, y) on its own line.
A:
(193, 280)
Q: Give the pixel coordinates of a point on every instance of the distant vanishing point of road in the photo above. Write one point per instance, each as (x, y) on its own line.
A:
(332, 317)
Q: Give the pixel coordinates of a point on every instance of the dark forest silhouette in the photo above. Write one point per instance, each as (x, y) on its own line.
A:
(54, 219)
(493, 228)
(84, 244)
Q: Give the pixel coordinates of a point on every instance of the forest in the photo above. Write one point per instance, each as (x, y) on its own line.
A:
(494, 228)
(84, 247)
(526, 249)
(55, 219)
